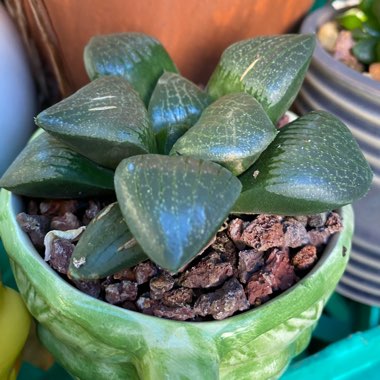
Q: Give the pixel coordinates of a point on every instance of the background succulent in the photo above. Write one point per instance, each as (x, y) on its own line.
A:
(364, 23)
(185, 158)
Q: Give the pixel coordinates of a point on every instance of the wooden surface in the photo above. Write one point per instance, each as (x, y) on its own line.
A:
(195, 32)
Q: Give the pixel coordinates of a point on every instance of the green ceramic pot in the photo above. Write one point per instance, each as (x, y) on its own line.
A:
(94, 340)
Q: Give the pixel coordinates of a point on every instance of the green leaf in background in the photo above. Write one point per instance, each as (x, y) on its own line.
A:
(106, 247)
(174, 205)
(47, 168)
(372, 28)
(233, 131)
(174, 107)
(105, 121)
(364, 50)
(372, 9)
(271, 68)
(352, 19)
(377, 51)
(139, 58)
(313, 165)
(359, 35)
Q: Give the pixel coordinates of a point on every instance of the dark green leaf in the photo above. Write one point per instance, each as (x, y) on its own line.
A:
(139, 58)
(175, 106)
(105, 121)
(313, 165)
(359, 34)
(106, 247)
(372, 9)
(174, 205)
(47, 168)
(371, 27)
(270, 68)
(233, 131)
(377, 51)
(364, 50)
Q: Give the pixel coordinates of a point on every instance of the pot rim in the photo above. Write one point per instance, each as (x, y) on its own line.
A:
(290, 303)
(321, 58)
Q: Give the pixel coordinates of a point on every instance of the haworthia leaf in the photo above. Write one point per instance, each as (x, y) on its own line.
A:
(233, 131)
(47, 168)
(174, 205)
(175, 106)
(271, 68)
(313, 165)
(106, 247)
(105, 121)
(139, 58)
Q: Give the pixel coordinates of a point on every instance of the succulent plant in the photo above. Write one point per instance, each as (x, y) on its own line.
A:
(181, 159)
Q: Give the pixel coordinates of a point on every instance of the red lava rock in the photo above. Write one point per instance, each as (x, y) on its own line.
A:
(181, 313)
(235, 230)
(145, 271)
(249, 261)
(265, 232)
(278, 274)
(36, 226)
(177, 297)
(320, 235)
(266, 269)
(280, 270)
(226, 247)
(334, 223)
(302, 219)
(129, 305)
(126, 274)
(224, 302)
(60, 255)
(317, 220)
(66, 222)
(295, 233)
(58, 207)
(121, 292)
(210, 271)
(160, 285)
(92, 288)
(93, 209)
(145, 304)
(33, 207)
(305, 258)
(258, 289)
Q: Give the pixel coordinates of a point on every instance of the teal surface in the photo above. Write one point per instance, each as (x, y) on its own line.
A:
(56, 372)
(353, 358)
(6, 273)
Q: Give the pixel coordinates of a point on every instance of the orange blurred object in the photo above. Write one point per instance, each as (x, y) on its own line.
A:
(195, 32)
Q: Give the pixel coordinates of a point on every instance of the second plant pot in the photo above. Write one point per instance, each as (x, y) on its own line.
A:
(355, 99)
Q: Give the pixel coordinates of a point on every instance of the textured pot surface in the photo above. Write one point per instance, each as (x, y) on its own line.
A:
(355, 99)
(95, 340)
